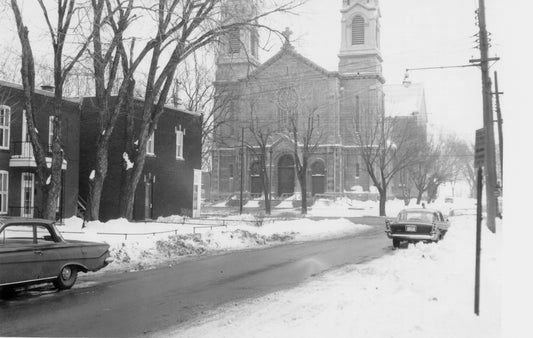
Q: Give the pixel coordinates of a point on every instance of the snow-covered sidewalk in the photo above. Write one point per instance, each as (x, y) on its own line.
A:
(426, 290)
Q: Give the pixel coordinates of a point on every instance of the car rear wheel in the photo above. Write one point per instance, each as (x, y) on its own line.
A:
(67, 277)
(396, 242)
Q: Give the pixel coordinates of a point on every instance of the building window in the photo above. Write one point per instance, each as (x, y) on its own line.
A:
(357, 170)
(254, 44)
(231, 171)
(50, 132)
(235, 41)
(150, 145)
(357, 115)
(179, 144)
(358, 30)
(5, 118)
(287, 106)
(4, 191)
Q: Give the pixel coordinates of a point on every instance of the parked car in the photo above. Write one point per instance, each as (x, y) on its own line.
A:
(33, 251)
(414, 225)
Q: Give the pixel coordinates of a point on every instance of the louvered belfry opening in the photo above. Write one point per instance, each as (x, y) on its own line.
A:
(358, 30)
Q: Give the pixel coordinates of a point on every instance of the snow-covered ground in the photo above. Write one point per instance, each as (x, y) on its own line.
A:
(425, 290)
(142, 245)
(139, 246)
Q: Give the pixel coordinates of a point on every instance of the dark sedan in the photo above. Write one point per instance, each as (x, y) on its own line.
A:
(33, 251)
(414, 225)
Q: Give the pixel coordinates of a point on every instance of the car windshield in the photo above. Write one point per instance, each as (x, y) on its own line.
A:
(419, 216)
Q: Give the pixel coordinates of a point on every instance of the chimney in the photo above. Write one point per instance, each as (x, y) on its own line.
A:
(48, 88)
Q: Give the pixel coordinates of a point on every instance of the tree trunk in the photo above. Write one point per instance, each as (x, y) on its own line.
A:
(130, 184)
(382, 202)
(268, 208)
(96, 184)
(419, 197)
(127, 196)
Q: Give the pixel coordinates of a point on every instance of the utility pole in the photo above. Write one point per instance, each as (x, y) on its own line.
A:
(242, 168)
(488, 120)
(500, 123)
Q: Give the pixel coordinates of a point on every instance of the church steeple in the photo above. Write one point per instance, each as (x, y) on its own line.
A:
(360, 37)
(238, 52)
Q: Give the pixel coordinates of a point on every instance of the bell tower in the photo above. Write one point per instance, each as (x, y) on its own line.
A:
(238, 50)
(360, 38)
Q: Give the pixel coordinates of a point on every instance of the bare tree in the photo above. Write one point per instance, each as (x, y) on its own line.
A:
(183, 27)
(423, 167)
(388, 145)
(49, 177)
(109, 20)
(306, 136)
(450, 164)
(194, 89)
(261, 142)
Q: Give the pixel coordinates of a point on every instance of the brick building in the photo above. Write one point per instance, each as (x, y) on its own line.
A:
(19, 187)
(168, 181)
(290, 83)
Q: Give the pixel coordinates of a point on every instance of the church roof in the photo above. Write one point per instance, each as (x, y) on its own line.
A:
(403, 100)
(288, 49)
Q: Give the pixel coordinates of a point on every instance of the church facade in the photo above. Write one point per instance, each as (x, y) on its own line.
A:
(265, 94)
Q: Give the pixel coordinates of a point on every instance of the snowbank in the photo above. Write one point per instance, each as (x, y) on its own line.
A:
(425, 290)
(138, 246)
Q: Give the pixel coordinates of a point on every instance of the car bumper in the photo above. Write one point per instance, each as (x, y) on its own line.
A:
(415, 237)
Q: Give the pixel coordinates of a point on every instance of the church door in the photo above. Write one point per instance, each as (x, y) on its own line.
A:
(318, 178)
(286, 175)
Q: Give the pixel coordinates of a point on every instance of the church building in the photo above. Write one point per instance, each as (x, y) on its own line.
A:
(342, 102)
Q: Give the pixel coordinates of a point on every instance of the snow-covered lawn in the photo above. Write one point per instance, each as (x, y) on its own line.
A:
(425, 290)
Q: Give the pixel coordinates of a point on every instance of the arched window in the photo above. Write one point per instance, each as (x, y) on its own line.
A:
(358, 30)
(318, 168)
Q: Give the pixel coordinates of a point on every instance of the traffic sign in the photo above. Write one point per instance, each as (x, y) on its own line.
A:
(479, 155)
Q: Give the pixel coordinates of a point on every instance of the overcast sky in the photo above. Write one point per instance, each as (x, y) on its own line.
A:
(414, 33)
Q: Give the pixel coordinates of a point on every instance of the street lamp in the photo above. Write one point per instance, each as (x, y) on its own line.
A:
(406, 82)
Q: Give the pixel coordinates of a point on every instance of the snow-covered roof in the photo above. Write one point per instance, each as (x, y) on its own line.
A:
(401, 100)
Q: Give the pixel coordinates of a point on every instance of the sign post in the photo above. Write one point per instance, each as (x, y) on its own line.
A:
(479, 161)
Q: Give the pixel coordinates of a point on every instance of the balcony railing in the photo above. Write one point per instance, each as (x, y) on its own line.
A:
(24, 150)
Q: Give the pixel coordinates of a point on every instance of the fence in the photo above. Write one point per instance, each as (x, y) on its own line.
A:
(195, 223)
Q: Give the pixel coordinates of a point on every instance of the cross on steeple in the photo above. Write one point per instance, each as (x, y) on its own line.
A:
(287, 34)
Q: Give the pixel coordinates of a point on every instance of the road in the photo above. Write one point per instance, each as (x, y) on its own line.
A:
(140, 303)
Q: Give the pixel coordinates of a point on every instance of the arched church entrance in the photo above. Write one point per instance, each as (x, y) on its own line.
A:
(318, 177)
(286, 175)
(256, 186)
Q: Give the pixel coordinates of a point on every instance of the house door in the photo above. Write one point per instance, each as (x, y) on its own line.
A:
(27, 194)
(318, 178)
(148, 199)
(286, 175)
